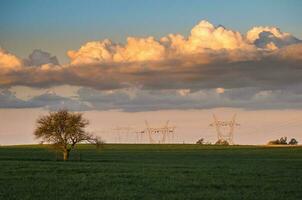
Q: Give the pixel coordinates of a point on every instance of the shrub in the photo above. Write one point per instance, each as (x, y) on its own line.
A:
(293, 141)
(283, 141)
(274, 142)
(222, 142)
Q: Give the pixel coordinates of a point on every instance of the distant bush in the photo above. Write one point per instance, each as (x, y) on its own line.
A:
(200, 141)
(293, 141)
(99, 143)
(283, 141)
(274, 142)
(222, 142)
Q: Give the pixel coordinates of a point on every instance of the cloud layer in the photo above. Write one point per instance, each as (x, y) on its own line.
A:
(211, 65)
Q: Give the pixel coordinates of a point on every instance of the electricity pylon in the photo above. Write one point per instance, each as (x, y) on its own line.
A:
(164, 133)
(229, 135)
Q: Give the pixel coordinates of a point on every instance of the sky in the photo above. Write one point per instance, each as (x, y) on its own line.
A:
(57, 26)
(123, 62)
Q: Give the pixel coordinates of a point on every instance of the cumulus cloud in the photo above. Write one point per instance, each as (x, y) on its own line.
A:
(206, 36)
(291, 53)
(259, 33)
(135, 50)
(92, 52)
(270, 38)
(39, 58)
(211, 58)
(9, 61)
(203, 37)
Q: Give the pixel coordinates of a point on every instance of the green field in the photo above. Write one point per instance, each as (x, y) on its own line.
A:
(152, 172)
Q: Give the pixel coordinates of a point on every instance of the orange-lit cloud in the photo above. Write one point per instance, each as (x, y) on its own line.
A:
(270, 38)
(203, 37)
(211, 58)
(205, 44)
(9, 61)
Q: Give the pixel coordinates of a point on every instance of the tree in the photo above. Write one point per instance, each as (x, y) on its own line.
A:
(283, 140)
(293, 141)
(222, 142)
(200, 141)
(64, 130)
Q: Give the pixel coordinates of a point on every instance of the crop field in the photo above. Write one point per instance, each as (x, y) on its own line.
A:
(151, 172)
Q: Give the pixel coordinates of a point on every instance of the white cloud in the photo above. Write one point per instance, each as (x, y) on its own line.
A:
(9, 61)
(203, 36)
(209, 57)
(93, 52)
(270, 38)
(206, 43)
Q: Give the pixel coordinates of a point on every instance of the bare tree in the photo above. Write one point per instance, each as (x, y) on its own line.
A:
(64, 130)
(200, 141)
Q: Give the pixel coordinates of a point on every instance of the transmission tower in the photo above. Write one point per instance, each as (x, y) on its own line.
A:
(164, 134)
(229, 135)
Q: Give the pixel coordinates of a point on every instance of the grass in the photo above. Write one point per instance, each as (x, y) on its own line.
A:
(152, 172)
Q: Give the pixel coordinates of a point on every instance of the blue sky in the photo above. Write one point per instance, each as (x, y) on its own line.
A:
(57, 26)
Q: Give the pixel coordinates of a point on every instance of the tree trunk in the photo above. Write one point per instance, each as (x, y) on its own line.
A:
(66, 154)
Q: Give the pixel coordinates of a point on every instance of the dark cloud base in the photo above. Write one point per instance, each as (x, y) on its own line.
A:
(137, 100)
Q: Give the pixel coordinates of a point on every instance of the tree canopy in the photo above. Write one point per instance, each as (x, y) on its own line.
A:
(63, 129)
